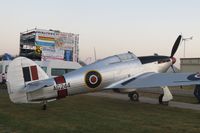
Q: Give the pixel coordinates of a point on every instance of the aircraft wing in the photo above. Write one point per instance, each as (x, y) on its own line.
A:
(149, 80)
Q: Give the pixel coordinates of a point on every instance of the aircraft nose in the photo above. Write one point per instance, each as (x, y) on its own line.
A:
(173, 60)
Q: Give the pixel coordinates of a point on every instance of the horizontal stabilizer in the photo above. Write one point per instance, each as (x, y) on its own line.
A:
(34, 86)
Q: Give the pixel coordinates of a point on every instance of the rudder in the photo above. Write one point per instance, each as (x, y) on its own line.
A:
(22, 71)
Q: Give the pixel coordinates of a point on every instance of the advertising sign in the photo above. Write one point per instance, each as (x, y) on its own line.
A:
(66, 40)
(44, 38)
(50, 53)
(58, 39)
(69, 55)
(50, 44)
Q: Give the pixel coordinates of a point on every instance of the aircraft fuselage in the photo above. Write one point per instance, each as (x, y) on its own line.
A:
(99, 75)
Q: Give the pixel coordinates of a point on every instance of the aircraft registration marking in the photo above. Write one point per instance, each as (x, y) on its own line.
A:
(61, 87)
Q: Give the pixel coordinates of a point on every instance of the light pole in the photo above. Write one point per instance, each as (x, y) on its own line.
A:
(95, 55)
(186, 39)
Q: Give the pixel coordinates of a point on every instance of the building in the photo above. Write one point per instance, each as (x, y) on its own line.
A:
(55, 52)
(190, 64)
(40, 44)
(58, 67)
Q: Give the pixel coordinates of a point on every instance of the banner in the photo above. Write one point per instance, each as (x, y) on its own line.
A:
(58, 39)
(50, 53)
(45, 38)
(66, 40)
(54, 43)
(69, 55)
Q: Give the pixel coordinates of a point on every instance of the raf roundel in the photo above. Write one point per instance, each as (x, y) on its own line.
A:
(197, 76)
(194, 77)
(93, 79)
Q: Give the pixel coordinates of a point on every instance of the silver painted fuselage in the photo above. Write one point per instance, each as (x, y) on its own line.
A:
(111, 70)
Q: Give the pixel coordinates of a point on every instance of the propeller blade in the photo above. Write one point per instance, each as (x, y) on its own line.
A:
(176, 44)
(173, 68)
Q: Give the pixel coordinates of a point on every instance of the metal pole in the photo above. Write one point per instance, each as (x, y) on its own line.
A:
(184, 49)
(95, 56)
(186, 39)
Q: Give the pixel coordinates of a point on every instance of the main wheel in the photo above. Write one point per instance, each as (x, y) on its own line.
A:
(161, 101)
(134, 96)
(44, 107)
(160, 98)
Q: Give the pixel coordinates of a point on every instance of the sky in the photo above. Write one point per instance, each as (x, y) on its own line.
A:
(143, 27)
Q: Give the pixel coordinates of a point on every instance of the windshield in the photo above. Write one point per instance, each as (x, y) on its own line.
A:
(119, 58)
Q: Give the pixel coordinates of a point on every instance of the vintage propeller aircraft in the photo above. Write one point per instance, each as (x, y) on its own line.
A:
(123, 73)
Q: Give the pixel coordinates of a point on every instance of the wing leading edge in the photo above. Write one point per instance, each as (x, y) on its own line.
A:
(150, 80)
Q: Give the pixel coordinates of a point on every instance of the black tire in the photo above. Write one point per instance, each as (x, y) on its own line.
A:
(4, 81)
(160, 100)
(134, 96)
(44, 107)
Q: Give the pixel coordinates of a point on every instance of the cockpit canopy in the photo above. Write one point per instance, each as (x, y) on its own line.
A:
(119, 58)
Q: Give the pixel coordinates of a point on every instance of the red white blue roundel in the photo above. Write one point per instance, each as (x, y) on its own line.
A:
(93, 79)
(197, 75)
(194, 77)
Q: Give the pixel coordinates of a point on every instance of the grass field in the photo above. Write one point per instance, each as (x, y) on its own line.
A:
(89, 114)
(177, 98)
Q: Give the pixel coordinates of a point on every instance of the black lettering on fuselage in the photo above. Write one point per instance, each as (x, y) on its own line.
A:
(62, 86)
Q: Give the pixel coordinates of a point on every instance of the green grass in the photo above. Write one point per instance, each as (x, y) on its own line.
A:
(183, 87)
(177, 98)
(3, 86)
(185, 99)
(89, 114)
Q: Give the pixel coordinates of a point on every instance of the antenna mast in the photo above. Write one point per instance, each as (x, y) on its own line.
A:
(186, 39)
(95, 55)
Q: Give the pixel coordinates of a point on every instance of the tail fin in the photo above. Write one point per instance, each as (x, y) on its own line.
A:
(22, 71)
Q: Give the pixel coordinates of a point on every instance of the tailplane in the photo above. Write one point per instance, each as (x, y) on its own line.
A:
(22, 71)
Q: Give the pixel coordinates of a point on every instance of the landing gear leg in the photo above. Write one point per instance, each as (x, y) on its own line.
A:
(134, 96)
(161, 101)
(44, 106)
(197, 92)
(165, 97)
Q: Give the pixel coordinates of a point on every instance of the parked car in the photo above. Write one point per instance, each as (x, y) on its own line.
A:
(3, 70)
